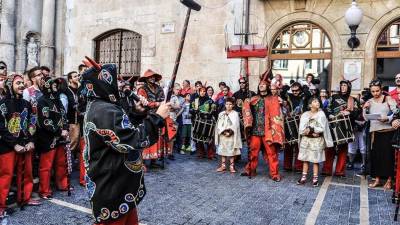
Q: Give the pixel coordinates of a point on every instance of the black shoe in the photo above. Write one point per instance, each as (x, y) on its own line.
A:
(47, 197)
(9, 211)
(244, 174)
(154, 166)
(350, 166)
(315, 183)
(301, 181)
(340, 175)
(277, 179)
(287, 170)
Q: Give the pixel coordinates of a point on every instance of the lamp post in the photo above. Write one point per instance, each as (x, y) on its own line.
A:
(353, 19)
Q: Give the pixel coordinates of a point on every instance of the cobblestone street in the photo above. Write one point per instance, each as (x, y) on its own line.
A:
(190, 192)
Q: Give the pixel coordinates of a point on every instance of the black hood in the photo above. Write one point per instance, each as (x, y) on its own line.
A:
(47, 90)
(102, 84)
(8, 89)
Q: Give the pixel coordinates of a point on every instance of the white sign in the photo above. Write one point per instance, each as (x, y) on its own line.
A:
(352, 72)
(168, 28)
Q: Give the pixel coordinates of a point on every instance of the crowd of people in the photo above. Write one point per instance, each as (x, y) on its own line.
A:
(45, 118)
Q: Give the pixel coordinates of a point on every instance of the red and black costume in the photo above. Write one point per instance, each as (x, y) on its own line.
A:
(266, 130)
(113, 162)
(154, 94)
(17, 127)
(49, 143)
(340, 103)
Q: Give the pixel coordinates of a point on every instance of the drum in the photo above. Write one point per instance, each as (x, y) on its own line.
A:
(291, 127)
(203, 128)
(341, 130)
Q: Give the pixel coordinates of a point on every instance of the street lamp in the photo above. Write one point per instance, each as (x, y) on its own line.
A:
(353, 19)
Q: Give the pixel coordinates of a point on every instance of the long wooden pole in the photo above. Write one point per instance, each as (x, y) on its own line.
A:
(178, 57)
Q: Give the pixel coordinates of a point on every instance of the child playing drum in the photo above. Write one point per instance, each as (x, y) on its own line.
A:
(315, 136)
(227, 135)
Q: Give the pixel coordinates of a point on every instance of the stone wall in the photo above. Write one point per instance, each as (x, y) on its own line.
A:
(204, 56)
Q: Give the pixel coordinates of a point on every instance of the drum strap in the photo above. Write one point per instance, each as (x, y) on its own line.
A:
(196, 104)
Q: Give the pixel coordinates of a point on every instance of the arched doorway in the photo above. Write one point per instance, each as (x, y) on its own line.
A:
(122, 47)
(299, 49)
(388, 53)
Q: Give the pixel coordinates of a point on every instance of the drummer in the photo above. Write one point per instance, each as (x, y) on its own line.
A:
(295, 105)
(340, 104)
(203, 109)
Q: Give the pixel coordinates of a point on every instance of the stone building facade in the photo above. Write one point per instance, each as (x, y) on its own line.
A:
(145, 34)
(32, 33)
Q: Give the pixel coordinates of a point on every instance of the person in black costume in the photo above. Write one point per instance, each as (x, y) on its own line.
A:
(112, 156)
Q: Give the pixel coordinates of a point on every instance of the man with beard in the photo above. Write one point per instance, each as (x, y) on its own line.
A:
(340, 104)
(114, 168)
(72, 113)
(51, 134)
(295, 105)
(242, 94)
(154, 95)
(45, 71)
(239, 96)
(74, 119)
(266, 130)
(17, 131)
(3, 77)
(33, 93)
(395, 93)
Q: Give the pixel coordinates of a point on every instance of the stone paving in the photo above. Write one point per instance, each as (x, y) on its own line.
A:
(190, 192)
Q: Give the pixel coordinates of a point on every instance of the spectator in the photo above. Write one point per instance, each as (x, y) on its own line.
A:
(221, 101)
(221, 86)
(210, 93)
(396, 92)
(45, 71)
(186, 89)
(32, 93)
(382, 152)
(186, 125)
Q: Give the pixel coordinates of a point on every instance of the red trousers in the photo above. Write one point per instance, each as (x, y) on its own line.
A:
(340, 163)
(55, 156)
(7, 163)
(397, 168)
(290, 151)
(270, 156)
(81, 163)
(205, 150)
(129, 219)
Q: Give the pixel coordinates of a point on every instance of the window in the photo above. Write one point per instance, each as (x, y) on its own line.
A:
(121, 47)
(299, 49)
(388, 53)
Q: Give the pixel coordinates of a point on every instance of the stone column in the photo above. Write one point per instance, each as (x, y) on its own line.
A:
(59, 36)
(47, 48)
(7, 39)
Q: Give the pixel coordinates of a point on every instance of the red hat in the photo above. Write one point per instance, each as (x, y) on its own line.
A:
(150, 73)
